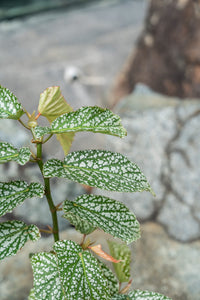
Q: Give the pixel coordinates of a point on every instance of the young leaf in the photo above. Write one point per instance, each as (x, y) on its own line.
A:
(122, 252)
(52, 104)
(108, 214)
(137, 294)
(15, 192)
(113, 284)
(71, 273)
(81, 225)
(9, 152)
(99, 168)
(13, 236)
(10, 108)
(99, 251)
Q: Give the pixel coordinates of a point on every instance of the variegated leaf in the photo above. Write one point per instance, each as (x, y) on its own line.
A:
(81, 225)
(140, 295)
(113, 284)
(99, 168)
(109, 215)
(71, 273)
(10, 108)
(122, 252)
(13, 236)
(95, 119)
(31, 295)
(15, 192)
(9, 152)
(137, 295)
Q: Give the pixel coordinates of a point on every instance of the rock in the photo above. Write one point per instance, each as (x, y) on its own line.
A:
(164, 140)
(159, 264)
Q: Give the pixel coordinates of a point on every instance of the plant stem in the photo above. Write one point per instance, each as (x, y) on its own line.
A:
(23, 124)
(52, 207)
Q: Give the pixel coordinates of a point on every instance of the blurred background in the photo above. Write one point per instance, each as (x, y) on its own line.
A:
(141, 59)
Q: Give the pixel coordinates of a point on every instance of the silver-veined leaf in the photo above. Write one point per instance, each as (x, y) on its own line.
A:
(10, 108)
(81, 225)
(9, 152)
(70, 273)
(113, 284)
(123, 253)
(13, 236)
(94, 119)
(15, 192)
(99, 168)
(140, 295)
(107, 214)
(52, 104)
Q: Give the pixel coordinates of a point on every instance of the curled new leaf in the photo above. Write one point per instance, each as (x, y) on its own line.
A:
(10, 108)
(99, 168)
(9, 152)
(13, 236)
(99, 251)
(52, 104)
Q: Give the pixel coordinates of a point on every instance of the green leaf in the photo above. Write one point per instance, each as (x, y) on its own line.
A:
(52, 104)
(71, 273)
(113, 284)
(81, 225)
(31, 295)
(137, 295)
(99, 168)
(110, 215)
(15, 192)
(10, 108)
(123, 252)
(121, 297)
(95, 119)
(9, 152)
(13, 236)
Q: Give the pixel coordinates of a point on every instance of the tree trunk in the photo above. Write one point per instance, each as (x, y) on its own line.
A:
(167, 56)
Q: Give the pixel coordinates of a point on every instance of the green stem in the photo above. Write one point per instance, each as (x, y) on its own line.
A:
(23, 124)
(52, 207)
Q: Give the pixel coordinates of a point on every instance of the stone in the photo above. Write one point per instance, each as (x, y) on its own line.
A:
(164, 141)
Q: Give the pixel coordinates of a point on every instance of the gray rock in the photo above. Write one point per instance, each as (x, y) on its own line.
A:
(164, 140)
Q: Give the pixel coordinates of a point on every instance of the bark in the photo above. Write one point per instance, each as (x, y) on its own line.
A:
(167, 55)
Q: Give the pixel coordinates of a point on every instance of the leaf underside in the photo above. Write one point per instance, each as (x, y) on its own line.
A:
(13, 236)
(99, 168)
(70, 273)
(10, 108)
(9, 152)
(123, 253)
(107, 214)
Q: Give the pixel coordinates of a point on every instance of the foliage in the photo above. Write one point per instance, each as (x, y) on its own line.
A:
(71, 271)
